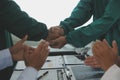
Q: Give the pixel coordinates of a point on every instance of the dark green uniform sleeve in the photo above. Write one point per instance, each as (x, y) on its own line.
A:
(83, 36)
(81, 14)
(19, 23)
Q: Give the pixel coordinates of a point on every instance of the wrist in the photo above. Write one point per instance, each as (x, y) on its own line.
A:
(65, 39)
(107, 67)
(118, 61)
(61, 31)
(35, 67)
(12, 52)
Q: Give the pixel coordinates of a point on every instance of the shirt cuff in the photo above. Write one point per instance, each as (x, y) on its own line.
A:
(29, 73)
(113, 73)
(5, 58)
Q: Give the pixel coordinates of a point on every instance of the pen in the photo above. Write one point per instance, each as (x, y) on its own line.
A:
(42, 75)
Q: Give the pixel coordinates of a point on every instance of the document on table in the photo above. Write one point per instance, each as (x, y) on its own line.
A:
(51, 63)
(83, 72)
(72, 60)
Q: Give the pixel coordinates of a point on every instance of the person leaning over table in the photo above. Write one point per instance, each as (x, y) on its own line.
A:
(106, 24)
(19, 51)
(107, 57)
(14, 20)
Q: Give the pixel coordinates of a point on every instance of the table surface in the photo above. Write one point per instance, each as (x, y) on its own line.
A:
(58, 65)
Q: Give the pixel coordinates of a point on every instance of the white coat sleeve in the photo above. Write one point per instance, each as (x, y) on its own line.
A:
(113, 73)
(29, 73)
(5, 59)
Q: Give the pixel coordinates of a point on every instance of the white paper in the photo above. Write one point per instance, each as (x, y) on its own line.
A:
(51, 63)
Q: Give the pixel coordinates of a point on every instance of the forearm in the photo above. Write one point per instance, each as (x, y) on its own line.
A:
(20, 23)
(80, 14)
(83, 36)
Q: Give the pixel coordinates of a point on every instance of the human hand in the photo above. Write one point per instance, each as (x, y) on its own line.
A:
(58, 43)
(118, 61)
(17, 50)
(37, 56)
(57, 29)
(105, 54)
(91, 61)
(55, 32)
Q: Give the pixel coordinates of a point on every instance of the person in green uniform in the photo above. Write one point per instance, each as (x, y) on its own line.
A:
(14, 20)
(106, 24)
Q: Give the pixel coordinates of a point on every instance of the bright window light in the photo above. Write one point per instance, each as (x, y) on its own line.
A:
(50, 12)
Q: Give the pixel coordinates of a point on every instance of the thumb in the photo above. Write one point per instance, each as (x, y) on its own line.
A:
(23, 40)
(115, 47)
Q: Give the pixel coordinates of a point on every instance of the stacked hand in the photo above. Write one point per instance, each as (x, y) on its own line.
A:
(104, 54)
(56, 37)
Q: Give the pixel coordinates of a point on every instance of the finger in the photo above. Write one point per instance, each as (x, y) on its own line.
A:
(92, 64)
(26, 52)
(56, 44)
(53, 29)
(46, 52)
(31, 48)
(97, 66)
(24, 39)
(89, 59)
(43, 48)
(106, 43)
(115, 47)
(43, 52)
(99, 49)
(41, 44)
(95, 49)
(100, 45)
(53, 43)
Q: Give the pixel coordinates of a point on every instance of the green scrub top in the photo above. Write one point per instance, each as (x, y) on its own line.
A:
(14, 20)
(106, 23)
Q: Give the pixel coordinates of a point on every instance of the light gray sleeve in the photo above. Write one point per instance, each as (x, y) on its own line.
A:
(29, 73)
(113, 73)
(5, 59)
